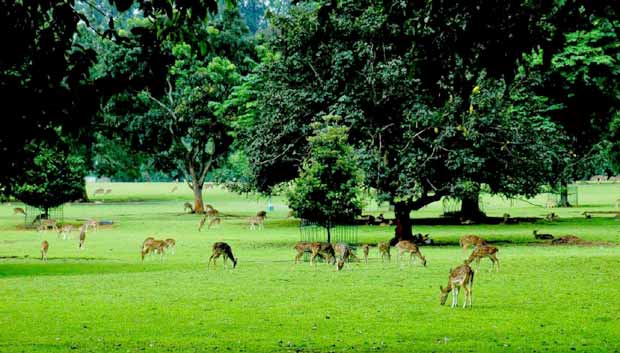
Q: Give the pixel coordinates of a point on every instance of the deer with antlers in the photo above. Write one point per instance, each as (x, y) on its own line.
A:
(483, 251)
(224, 250)
(460, 277)
(468, 240)
(44, 247)
(384, 250)
(409, 247)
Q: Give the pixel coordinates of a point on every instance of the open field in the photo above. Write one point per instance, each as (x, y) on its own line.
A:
(103, 299)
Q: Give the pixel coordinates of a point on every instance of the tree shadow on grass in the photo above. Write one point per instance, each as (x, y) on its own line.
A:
(57, 267)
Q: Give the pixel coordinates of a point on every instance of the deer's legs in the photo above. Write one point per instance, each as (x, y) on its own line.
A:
(495, 260)
(467, 296)
(455, 297)
(209, 263)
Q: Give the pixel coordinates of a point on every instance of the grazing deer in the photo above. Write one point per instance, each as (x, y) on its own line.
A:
(468, 240)
(543, 236)
(484, 251)
(99, 191)
(18, 210)
(317, 249)
(366, 250)
(460, 277)
(187, 206)
(44, 247)
(411, 248)
(65, 231)
(45, 224)
(170, 244)
(83, 230)
(151, 246)
(257, 222)
(213, 222)
(384, 250)
(344, 253)
(219, 249)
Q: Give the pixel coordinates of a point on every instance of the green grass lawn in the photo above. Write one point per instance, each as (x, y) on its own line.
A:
(103, 299)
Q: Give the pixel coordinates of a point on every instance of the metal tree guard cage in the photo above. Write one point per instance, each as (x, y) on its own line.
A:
(33, 213)
(340, 233)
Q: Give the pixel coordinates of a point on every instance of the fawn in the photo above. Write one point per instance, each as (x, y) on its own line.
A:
(170, 244)
(366, 249)
(484, 251)
(411, 248)
(64, 231)
(468, 240)
(44, 246)
(18, 210)
(543, 236)
(219, 249)
(317, 249)
(460, 277)
(384, 250)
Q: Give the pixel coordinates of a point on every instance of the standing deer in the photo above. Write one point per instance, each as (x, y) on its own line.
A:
(44, 247)
(221, 248)
(257, 222)
(65, 231)
(384, 250)
(468, 240)
(484, 251)
(411, 248)
(317, 249)
(460, 277)
(366, 249)
(170, 244)
(18, 210)
(92, 223)
(83, 230)
(45, 224)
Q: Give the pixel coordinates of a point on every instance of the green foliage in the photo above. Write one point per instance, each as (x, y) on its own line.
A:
(53, 179)
(328, 188)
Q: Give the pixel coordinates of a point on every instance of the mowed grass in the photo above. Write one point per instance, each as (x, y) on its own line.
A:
(103, 299)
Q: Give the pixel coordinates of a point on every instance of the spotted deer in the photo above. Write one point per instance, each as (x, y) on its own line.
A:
(344, 252)
(44, 247)
(468, 240)
(483, 251)
(323, 250)
(222, 249)
(384, 250)
(257, 222)
(460, 277)
(170, 244)
(366, 250)
(65, 231)
(19, 210)
(407, 246)
(152, 246)
(45, 224)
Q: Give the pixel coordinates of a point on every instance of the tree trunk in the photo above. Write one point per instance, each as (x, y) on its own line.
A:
(564, 195)
(403, 223)
(470, 207)
(329, 234)
(198, 203)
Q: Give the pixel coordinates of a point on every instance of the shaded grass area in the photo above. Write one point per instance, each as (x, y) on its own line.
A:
(104, 299)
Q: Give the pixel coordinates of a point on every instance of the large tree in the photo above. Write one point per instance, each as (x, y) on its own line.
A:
(430, 91)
